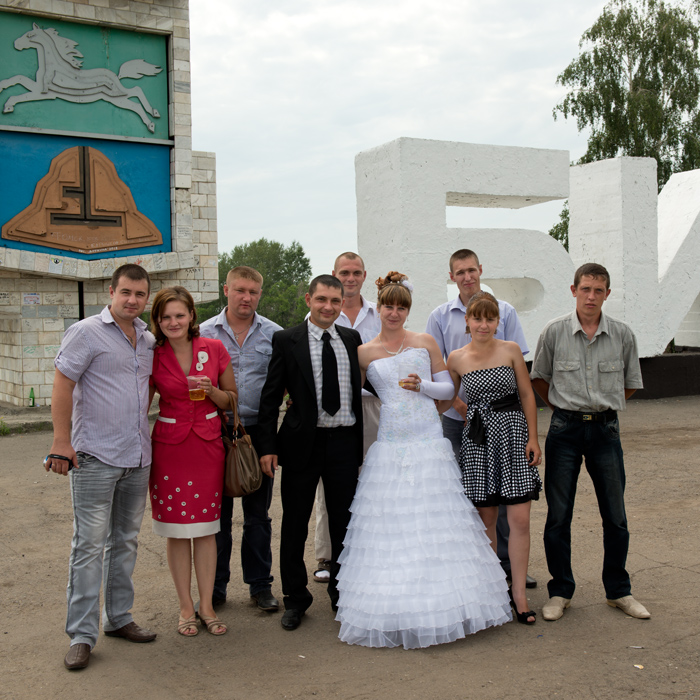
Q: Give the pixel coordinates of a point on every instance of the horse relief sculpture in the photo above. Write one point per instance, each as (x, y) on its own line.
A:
(60, 76)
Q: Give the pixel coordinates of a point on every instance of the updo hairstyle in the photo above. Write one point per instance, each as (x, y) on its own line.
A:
(162, 298)
(482, 304)
(391, 290)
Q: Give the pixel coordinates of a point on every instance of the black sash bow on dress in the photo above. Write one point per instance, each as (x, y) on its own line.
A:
(477, 429)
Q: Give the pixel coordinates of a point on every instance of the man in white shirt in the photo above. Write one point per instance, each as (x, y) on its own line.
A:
(360, 314)
(447, 325)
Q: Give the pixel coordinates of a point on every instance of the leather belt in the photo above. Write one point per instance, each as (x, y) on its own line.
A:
(590, 416)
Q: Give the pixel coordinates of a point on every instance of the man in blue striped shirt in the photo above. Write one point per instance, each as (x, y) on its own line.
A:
(101, 383)
(248, 338)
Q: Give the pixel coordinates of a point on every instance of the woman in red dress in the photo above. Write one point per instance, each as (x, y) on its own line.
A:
(187, 472)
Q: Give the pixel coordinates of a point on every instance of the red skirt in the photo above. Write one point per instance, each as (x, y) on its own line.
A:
(186, 486)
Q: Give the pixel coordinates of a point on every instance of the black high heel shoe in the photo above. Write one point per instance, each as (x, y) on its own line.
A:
(522, 617)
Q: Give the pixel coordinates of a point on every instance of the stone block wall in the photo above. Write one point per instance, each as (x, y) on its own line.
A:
(35, 310)
(37, 305)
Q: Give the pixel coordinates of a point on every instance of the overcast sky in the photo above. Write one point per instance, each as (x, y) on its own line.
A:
(286, 93)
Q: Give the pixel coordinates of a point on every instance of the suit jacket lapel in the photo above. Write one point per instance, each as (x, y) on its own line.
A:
(169, 361)
(302, 353)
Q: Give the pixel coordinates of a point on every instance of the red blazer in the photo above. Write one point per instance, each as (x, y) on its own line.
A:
(182, 415)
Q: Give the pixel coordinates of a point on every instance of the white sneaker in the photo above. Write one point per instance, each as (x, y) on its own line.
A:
(630, 606)
(555, 606)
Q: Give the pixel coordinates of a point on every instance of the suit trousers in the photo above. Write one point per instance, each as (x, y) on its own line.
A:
(334, 461)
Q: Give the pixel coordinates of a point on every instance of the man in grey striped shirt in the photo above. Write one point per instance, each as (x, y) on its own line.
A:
(101, 383)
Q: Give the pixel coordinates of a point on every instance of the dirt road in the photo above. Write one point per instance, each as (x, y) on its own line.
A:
(593, 652)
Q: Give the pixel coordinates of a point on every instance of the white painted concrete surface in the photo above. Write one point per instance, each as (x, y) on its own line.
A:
(403, 188)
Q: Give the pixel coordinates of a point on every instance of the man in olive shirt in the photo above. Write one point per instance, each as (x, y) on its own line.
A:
(585, 367)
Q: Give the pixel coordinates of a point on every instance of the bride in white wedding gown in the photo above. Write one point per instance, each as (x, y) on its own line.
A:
(417, 568)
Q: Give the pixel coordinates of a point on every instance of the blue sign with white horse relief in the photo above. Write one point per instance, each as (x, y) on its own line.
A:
(85, 150)
(62, 76)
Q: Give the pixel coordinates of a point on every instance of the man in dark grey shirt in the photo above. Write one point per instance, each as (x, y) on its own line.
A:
(585, 367)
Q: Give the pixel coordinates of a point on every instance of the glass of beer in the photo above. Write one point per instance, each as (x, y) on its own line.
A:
(406, 367)
(196, 393)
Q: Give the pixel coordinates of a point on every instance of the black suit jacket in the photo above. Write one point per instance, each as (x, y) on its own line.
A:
(290, 368)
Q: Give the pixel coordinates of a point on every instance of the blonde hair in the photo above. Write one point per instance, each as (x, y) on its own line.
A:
(245, 273)
(391, 290)
(348, 256)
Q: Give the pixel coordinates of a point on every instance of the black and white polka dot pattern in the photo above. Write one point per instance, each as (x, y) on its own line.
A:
(497, 472)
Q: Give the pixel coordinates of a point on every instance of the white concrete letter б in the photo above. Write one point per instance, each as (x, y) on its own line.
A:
(403, 188)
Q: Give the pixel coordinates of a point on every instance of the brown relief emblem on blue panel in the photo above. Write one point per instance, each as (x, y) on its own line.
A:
(83, 206)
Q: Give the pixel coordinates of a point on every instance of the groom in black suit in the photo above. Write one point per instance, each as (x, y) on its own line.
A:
(320, 437)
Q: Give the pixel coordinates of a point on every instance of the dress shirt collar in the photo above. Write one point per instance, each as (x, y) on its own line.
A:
(367, 308)
(457, 304)
(317, 332)
(222, 320)
(576, 325)
(139, 325)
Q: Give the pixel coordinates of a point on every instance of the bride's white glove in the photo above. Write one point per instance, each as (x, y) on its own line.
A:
(441, 388)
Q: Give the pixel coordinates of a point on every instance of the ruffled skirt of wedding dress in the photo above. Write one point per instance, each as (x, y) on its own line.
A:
(417, 568)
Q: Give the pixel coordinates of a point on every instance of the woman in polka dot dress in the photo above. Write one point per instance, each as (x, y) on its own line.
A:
(188, 454)
(500, 451)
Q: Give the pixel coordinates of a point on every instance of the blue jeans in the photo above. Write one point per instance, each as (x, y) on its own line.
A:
(452, 429)
(256, 544)
(108, 507)
(570, 440)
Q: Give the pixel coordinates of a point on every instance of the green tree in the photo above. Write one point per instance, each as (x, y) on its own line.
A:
(560, 231)
(286, 271)
(636, 85)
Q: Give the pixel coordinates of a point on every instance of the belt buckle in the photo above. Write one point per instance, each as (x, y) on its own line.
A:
(587, 417)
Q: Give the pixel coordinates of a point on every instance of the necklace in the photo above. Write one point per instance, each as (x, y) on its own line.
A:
(389, 352)
(240, 333)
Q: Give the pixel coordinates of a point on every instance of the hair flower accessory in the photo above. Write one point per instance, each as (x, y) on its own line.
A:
(407, 284)
(202, 357)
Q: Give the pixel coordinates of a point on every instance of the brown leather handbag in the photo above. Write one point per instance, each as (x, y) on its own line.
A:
(242, 472)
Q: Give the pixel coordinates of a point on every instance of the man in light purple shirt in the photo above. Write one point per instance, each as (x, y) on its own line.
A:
(101, 383)
(447, 325)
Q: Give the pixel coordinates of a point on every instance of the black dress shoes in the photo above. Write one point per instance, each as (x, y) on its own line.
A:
(266, 601)
(78, 657)
(133, 633)
(292, 619)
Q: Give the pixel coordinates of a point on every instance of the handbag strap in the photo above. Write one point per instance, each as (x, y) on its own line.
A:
(233, 403)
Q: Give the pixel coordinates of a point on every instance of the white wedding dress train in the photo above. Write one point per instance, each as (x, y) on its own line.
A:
(417, 568)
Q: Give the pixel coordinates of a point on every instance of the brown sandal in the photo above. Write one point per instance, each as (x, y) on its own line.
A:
(185, 626)
(212, 623)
